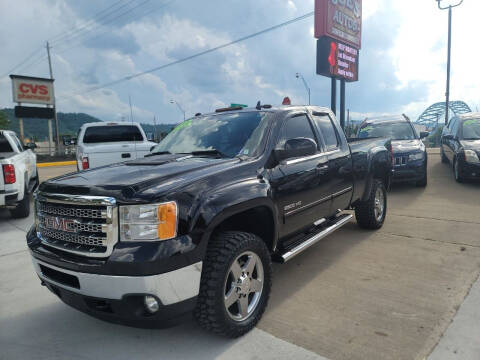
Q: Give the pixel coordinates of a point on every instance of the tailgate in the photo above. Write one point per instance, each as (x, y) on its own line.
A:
(106, 154)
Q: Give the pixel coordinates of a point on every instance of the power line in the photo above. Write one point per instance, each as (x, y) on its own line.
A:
(65, 36)
(103, 24)
(58, 37)
(216, 48)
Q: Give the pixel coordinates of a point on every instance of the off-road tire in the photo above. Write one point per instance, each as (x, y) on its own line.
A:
(22, 209)
(365, 210)
(223, 249)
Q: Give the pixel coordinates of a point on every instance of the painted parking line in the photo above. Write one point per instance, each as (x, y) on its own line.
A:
(56, 163)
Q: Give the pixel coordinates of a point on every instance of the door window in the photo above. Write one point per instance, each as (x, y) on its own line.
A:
(296, 127)
(18, 143)
(327, 129)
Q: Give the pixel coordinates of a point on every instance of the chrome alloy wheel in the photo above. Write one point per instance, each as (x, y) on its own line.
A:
(243, 286)
(379, 204)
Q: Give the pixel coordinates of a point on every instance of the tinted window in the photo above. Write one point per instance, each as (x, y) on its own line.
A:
(231, 134)
(4, 145)
(104, 134)
(394, 131)
(471, 129)
(296, 127)
(327, 129)
(454, 127)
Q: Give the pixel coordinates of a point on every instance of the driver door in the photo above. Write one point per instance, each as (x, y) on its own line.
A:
(300, 186)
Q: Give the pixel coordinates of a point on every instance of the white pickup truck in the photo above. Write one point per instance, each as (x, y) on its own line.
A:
(19, 174)
(105, 143)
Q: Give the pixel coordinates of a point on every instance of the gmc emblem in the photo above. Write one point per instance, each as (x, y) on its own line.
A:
(58, 223)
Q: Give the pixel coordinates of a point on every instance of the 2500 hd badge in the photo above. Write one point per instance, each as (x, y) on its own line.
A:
(195, 225)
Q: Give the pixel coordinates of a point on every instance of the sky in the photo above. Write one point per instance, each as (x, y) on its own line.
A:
(402, 60)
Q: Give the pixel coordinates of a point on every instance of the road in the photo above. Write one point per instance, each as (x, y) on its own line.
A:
(388, 294)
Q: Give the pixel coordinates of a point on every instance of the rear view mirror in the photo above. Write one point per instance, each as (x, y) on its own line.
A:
(424, 134)
(297, 147)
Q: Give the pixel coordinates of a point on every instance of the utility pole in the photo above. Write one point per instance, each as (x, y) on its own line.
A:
(154, 128)
(300, 76)
(342, 103)
(57, 133)
(447, 93)
(333, 103)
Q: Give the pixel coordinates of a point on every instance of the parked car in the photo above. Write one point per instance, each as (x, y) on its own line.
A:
(104, 143)
(195, 224)
(19, 174)
(410, 154)
(460, 146)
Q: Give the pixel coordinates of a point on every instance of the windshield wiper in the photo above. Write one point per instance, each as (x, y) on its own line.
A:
(158, 153)
(208, 152)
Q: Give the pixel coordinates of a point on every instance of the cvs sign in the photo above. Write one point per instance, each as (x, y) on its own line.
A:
(32, 90)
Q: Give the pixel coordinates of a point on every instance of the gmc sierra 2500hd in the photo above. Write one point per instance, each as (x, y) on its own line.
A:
(195, 225)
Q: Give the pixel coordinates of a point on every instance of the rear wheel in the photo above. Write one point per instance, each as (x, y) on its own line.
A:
(371, 213)
(22, 209)
(235, 285)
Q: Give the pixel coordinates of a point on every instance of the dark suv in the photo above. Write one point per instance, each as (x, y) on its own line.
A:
(410, 155)
(460, 145)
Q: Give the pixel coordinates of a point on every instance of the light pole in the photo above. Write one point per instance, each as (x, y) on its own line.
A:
(179, 107)
(447, 93)
(300, 76)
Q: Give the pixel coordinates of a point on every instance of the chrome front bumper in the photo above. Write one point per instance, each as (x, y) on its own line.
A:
(171, 287)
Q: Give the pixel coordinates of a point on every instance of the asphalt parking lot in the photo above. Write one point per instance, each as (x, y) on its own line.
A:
(388, 294)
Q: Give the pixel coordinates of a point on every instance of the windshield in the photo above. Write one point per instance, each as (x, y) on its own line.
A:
(394, 131)
(471, 129)
(229, 134)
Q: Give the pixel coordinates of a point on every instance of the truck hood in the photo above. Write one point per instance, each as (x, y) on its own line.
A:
(403, 146)
(124, 180)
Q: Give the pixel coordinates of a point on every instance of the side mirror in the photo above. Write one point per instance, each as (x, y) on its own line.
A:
(424, 134)
(30, 146)
(448, 137)
(297, 147)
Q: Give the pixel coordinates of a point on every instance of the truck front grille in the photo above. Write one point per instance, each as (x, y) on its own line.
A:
(83, 225)
(401, 160)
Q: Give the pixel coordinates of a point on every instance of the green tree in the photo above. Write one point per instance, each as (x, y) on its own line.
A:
(3, 121)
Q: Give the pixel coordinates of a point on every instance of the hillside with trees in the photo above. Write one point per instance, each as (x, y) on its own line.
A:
(69, 123)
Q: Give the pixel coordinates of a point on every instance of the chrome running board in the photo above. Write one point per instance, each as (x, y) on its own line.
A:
(342, 220)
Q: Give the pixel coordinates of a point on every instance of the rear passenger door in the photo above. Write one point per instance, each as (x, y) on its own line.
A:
(300, 185)
(339, 161)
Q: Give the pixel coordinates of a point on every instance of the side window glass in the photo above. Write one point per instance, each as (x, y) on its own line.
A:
(18, 143)
(327, 129)
(455, 127)
(296, 127)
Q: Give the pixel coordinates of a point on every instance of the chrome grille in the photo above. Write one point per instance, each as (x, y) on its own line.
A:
(401, 160)
(84, 225)
(71, 238)
(71, 211)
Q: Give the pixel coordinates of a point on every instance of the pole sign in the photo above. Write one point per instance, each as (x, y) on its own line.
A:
(337, 60)
(32, 90)
(339, 19)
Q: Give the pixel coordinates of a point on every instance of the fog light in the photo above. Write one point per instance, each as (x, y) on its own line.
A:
(151, 304)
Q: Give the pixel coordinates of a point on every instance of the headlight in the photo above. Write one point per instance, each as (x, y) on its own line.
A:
(150, 222)
(416, 156)
(471, 157)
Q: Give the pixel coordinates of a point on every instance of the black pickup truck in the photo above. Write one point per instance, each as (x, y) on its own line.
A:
(195, 225)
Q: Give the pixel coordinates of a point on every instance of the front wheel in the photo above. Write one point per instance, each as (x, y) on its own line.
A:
(235, 285)
(456, 171)
(371, 213)
(443, 157)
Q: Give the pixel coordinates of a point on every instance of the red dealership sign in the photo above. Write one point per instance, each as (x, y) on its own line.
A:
(339, 19)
